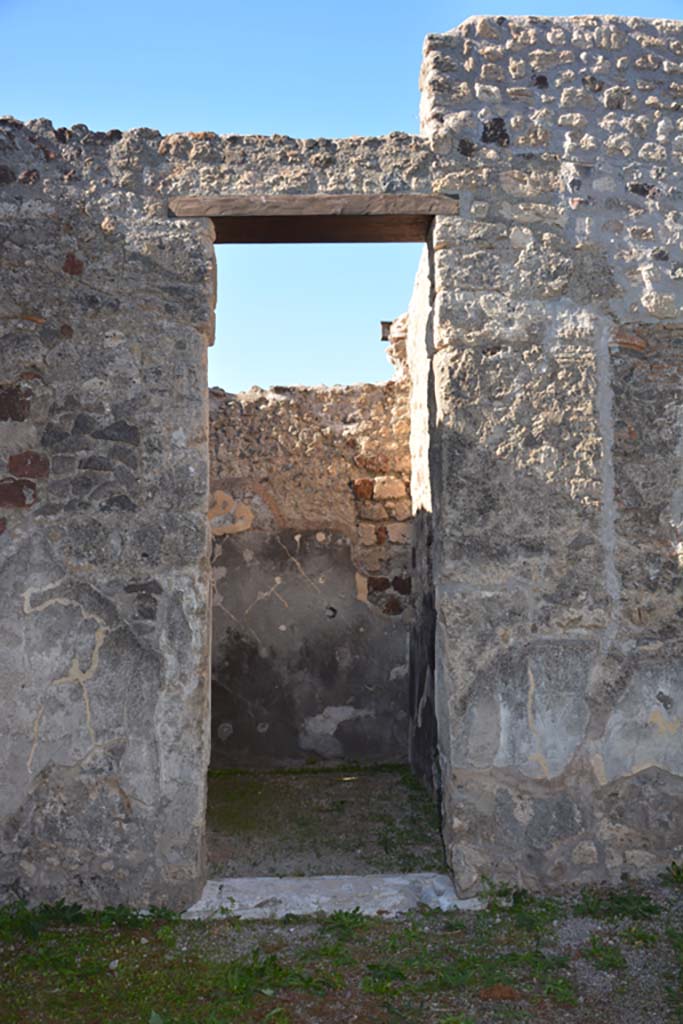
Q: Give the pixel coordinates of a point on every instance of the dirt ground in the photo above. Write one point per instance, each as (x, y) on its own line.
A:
(320, 821)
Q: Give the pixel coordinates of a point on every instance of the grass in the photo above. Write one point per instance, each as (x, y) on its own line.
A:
(66, 965)
(128, 967)
(673, 874)
(636, 935)
(609, 904)
(605, 956)
(524, 911)
(16, 920)
(345, 924)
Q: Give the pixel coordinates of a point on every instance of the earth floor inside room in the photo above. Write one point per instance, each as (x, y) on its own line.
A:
(321, 821)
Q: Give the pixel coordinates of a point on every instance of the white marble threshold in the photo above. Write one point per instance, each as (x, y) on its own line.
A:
(272, 898)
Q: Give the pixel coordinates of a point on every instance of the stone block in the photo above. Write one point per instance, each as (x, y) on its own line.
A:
(388, 487)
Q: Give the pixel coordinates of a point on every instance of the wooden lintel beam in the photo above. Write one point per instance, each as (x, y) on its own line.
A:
(394, 217)
(339, 205)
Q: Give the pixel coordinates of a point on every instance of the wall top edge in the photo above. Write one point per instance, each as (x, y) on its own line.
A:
(81, 133)
(581, 21)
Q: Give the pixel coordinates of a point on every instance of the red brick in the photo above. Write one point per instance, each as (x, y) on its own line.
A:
(30, 464)
(17, 493)
(362, 488)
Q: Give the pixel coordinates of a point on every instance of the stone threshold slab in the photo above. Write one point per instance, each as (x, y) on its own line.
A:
(389, 895)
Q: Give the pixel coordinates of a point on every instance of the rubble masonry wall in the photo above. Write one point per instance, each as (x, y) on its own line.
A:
(547, 510)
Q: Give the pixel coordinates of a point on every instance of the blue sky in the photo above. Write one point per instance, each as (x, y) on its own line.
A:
(286, 315)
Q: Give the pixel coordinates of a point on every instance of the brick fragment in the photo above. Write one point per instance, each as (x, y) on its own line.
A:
(362, 488)
(15, 493)
(72, 265)
(15, 402)
(402, 584)
(29, 464)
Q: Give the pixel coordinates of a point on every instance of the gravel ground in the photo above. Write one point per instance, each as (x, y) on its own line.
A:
(596, 957)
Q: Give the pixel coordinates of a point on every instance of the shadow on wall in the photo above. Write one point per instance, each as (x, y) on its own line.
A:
(423, 739)
(563, 689)
(302, 669)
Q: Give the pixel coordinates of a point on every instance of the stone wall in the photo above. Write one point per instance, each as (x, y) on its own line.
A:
(106, 309)
(104, 317)
(556, 445)
(546, 465)
(311, 518)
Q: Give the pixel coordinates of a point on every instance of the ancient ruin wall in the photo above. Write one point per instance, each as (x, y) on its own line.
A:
(556, 445)
(552, 384)
(104, 316)
(105, 312)
(311, 520)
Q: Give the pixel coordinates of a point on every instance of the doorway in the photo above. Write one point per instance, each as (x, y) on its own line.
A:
(312, 525)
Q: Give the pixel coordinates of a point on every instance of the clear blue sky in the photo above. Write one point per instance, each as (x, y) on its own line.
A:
(305, 314)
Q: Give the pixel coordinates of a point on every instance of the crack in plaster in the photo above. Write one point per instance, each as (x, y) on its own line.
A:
(298, 564)
(238, 621)
(75, 673)
(36, 729)
(263, 595)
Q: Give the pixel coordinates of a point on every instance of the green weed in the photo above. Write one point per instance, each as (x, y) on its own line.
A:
(607, 904)
(674, 992)
(527, 912)
(380, 979)
(454, 924)
(344, 924)
(337, 953)
(605, 956)
(673, 875)
(637, 936)
(561, 991)
(17, 920)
